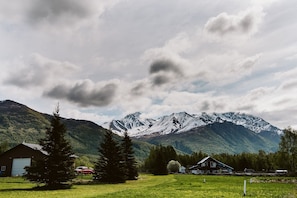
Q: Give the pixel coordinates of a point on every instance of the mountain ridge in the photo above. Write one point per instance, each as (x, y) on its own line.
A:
(183, 122)
(19, 123)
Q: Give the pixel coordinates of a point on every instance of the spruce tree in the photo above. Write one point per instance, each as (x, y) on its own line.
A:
(56, 169)
(129, 159)
(109, 167)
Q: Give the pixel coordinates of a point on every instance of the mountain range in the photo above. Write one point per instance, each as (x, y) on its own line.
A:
(136, 126)
(210, 133)
(229, 132)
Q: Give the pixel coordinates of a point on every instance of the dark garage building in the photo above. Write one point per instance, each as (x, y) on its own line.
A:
(13, 161)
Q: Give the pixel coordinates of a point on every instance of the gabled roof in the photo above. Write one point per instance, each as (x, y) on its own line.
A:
(39, 148)
(203, 160)
(221, 164)
(35, 147)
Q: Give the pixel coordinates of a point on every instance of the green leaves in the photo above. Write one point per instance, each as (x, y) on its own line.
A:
(288, 150)
(158, 159)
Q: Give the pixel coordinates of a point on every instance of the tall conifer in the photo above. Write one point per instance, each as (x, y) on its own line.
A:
(56, 169)
(129, 159)
(110, 167)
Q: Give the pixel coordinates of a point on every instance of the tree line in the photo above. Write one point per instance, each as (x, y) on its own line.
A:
(116, 161)
(284, 158)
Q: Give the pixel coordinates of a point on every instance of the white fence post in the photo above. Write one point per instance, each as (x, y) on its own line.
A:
(244, 187)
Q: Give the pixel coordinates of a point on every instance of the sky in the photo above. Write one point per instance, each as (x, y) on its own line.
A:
(102, 60)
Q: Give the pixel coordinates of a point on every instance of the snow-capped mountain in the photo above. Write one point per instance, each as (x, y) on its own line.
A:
(181, 122)
(131, 123)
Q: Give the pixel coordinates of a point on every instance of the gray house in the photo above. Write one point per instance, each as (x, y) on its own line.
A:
(210, 165)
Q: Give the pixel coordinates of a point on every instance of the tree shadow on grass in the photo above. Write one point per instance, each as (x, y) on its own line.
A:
(39, 188)
(16, 189)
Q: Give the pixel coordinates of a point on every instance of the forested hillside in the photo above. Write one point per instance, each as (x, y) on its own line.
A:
(20, 123)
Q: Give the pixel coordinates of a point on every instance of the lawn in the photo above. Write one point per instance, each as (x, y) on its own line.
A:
(162, 186)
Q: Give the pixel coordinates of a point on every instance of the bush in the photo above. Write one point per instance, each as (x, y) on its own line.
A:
(173, 166)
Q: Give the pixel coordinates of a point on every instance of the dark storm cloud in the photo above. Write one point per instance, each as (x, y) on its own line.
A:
(160, 80)
(164, 66)
(164, 71)
(56, 11)
(224, 23)
(84, 95)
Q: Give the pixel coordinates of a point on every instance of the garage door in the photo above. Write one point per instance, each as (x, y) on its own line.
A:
(18, 165)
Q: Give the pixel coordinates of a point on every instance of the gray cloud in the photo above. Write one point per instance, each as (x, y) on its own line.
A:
(26, 78)
(205, 106)
(138, 89)
(164, 71)
(244, 23)
(58, 11)
(160, 80)
(38, 71)
(165, 66)
(84, 94)
(289, 85)
(247, 107)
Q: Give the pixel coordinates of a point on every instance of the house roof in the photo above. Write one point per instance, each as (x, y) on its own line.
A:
(39, 148)
(221, 164)
(35, 147)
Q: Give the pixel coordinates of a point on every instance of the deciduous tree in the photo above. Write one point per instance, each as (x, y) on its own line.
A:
(173, 166)
(288, 150)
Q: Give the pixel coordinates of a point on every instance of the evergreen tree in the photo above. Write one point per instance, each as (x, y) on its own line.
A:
(56, 169)
(158, 159)
(109, 167)
(128, 158)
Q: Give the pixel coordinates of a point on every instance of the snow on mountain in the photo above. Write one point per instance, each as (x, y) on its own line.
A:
(131, 123)
(253, 123)
(182, 122)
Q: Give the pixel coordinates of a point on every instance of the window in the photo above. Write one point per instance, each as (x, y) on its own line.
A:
(3, 168)
(213, 164)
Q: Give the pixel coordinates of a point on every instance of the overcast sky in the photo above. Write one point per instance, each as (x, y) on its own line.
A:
(104, 59)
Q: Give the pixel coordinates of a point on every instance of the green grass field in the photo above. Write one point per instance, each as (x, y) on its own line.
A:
(162, 186)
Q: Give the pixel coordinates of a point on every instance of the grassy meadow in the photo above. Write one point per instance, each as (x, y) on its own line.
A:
(161, 186)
